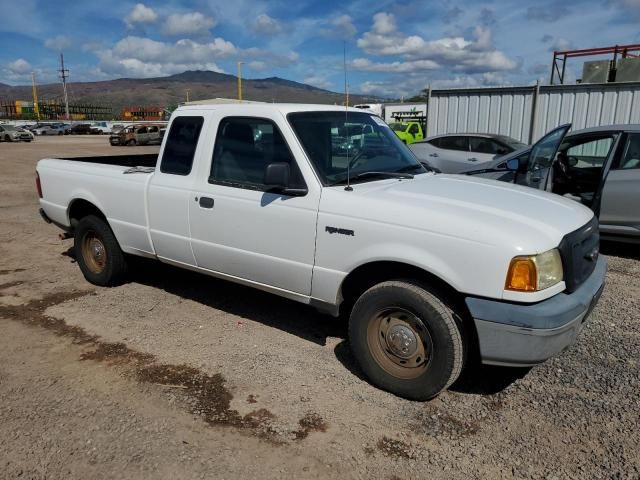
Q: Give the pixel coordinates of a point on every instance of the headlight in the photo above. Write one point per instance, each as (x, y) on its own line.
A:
(534, 272)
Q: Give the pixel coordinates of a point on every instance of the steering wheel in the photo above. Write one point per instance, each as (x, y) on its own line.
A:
(563, 166)
(354, 161)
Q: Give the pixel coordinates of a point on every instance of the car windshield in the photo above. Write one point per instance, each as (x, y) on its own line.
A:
(398, 127)
(359, 142)
(512, 142)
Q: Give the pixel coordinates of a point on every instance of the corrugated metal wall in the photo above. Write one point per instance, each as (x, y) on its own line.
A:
(512, 110)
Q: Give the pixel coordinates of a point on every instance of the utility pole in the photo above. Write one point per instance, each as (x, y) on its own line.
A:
(36, 109)
(240, 81)
(188, 92)
(63, 75)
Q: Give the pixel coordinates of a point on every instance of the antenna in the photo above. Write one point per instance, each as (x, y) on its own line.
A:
(63, 75)
(348, 188)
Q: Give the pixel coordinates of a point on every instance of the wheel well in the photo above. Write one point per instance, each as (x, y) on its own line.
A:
(81, 208)
(370, 274)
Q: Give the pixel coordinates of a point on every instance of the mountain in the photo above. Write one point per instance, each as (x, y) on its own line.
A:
(171, 90)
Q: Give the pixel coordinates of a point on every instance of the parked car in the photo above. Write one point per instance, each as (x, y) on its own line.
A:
(459, 152)
(10, 133)
(427, 267)
(137, 135)
(24, 131)
(101, 127)
(49, 129)
(598, 167)
(82, 129)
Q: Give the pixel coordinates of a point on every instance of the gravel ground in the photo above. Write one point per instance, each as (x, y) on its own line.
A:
(175, 375)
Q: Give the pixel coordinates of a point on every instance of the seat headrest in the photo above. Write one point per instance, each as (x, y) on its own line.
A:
(239, 132)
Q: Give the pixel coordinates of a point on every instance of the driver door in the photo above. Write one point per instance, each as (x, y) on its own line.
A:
(541, 158)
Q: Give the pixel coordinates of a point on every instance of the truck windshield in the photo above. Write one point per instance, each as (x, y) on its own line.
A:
(398, 127)
(336, 140)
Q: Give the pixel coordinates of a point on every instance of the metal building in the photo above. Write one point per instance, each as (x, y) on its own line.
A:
(527, 113)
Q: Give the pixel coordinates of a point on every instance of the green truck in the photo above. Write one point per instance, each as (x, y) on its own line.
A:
(408, 132)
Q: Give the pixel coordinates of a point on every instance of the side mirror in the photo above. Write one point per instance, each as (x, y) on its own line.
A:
(276, 179)
(276, 175)
(513, 164)
(518, 165)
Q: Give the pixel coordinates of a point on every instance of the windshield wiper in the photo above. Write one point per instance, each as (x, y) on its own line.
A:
(373, 174)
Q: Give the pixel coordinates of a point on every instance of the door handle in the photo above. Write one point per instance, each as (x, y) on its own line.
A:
(472, 159)
(433, 154)
(206, 202)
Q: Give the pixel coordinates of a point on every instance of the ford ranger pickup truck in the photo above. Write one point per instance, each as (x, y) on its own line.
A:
(432, 271)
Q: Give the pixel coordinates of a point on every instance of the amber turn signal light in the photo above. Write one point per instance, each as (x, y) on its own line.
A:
(522, 275)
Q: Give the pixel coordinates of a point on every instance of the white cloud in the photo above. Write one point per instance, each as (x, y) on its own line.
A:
(266, 25)
(366, 65)
(411, 85)
(190, 24)
(343, 27)
(457, 53)
(19, 67)
(141, 14)
(561, 44)
(59, 42)
(143, 57)
(258, 65)
(182, 51)
(384, 23)
(318, 81)
(17, 71)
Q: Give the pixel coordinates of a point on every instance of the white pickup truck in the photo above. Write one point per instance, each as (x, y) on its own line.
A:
(432, 271)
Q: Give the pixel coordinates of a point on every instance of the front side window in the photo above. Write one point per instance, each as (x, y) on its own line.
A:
(588, 153)
(631, 158)
(485, 145)
(341, 144)
(180, 146)
(244, 147)
(454, 143)
(413, 130)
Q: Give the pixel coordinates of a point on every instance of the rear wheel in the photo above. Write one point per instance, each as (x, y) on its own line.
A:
(99, 256)
(406, 339)
(131, 143)
(7, 138)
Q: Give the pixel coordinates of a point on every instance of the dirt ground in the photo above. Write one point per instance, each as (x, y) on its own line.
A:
(177, 375)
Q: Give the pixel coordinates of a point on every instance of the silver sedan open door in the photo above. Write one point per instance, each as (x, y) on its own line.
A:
(542, 156)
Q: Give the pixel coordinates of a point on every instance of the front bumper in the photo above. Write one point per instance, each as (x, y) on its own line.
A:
(527, 334)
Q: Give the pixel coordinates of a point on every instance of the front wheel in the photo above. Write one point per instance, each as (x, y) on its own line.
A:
(406, 340)
(131, 143)
(99, 256)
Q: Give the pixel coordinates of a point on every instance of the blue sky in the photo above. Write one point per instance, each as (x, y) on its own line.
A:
(393, 48)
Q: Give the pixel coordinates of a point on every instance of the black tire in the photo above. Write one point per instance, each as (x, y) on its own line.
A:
(97, 252)
(431, 322)
(131, 143)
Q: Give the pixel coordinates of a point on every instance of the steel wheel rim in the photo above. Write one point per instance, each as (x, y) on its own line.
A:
(94, 252)
(399, 343)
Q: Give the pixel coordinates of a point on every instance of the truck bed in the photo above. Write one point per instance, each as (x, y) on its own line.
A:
(140, 160)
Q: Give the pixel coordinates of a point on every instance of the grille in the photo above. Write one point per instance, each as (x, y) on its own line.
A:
(579, 250)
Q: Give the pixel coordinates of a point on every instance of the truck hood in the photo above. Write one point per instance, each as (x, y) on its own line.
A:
(479, 210)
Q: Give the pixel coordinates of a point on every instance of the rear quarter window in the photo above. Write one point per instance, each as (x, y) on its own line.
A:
(181, 144)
